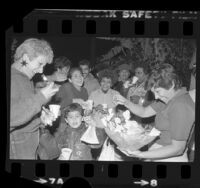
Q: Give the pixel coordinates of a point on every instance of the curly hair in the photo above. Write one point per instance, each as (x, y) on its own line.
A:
(61, 62)
(33, 48)
(106, 74)
(164, 76)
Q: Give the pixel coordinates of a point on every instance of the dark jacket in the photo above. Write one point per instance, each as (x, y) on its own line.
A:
(70, 138)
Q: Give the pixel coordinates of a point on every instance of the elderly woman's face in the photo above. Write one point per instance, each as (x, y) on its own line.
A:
(124, 74)
(77, 78)
(106, 84)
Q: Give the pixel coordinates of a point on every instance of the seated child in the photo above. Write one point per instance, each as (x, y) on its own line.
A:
(74, 129)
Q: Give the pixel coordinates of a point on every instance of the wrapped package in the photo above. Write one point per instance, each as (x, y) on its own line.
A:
(133, 139)
(129, 135)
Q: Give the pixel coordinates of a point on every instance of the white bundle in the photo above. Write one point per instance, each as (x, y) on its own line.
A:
(90, 136)
(131, 135)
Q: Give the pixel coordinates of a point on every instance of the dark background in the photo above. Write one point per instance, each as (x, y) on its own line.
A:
(74, 48)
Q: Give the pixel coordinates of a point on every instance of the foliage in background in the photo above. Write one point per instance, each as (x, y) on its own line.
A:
(150, 52)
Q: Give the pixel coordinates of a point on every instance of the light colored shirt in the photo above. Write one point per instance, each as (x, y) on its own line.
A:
(99, 97)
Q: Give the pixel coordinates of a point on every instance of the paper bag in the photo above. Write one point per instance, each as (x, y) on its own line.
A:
(90, 136)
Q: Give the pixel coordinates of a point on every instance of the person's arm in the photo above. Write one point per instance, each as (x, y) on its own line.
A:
(140, 110)
(175, 149)
(181, 118)
(24, 103)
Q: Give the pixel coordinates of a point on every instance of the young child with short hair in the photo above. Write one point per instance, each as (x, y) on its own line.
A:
(74, 130)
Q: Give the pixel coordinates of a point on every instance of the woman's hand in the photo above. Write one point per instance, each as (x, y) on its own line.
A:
(119, 99)
(136, 154)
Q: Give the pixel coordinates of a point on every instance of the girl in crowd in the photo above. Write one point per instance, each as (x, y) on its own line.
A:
(174, 120)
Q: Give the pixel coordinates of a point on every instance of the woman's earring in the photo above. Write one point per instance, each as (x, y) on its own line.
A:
(24, 63)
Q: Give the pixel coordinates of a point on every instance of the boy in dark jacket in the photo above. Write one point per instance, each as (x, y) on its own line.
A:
(71, 136)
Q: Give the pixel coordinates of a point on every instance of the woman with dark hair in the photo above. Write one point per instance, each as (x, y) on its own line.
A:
(73, 89)
(104, 95)
(174, 121)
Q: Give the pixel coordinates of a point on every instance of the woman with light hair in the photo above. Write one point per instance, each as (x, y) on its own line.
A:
(25, 102)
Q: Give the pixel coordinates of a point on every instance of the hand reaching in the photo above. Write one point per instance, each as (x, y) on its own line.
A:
(119, 99)
(136, 154)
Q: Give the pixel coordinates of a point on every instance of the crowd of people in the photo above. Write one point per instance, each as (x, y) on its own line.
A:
(157, 98)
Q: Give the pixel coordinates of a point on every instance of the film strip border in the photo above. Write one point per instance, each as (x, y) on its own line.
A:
(111, 173)
(61, 24)
(102, 173)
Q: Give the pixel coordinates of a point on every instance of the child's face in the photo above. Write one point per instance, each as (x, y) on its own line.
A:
(74, 119)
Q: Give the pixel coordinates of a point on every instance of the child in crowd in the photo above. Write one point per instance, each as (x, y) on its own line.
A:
(74, 129)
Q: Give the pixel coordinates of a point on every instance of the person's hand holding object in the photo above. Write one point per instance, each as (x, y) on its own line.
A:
(49, 90)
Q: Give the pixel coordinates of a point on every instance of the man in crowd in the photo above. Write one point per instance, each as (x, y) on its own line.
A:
(90, 82)
(26, 102)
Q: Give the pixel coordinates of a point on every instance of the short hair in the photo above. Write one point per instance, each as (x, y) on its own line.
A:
(120, 107)
(84, 62)
(164, 76)
(61, 62)
(106, 74)
(33, 48)
(72, 70)
(72, 108)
